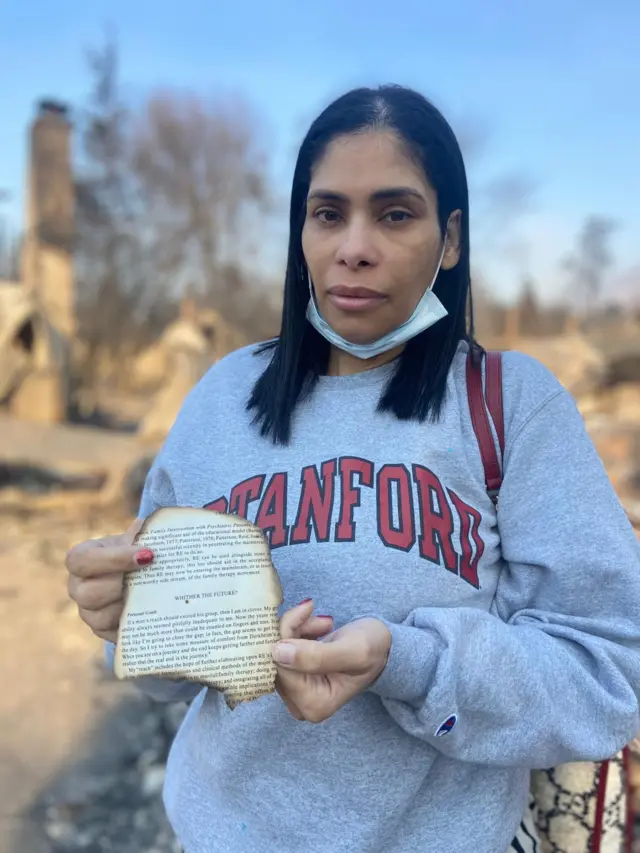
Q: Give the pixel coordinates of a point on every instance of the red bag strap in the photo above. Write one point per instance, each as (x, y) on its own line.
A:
(601, 799)
(630, 792)
(481, 403)
(601, 794)
(493, 393)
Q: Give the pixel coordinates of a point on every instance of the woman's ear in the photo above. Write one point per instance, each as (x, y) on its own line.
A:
(453, 235)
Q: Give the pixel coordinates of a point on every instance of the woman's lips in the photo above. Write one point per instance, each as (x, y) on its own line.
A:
(354, 298)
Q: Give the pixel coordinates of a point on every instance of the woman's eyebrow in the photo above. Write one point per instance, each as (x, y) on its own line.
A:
(327, 195)
(377, 195)
(396, 192)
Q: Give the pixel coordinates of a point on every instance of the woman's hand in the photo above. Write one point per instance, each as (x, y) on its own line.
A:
(96, 578)
(315, 679)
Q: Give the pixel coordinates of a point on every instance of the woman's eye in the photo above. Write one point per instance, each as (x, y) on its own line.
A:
(327, 215)
(397, 216)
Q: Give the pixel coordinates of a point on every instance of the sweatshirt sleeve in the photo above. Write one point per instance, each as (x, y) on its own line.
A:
(552, 675)
(158, 492)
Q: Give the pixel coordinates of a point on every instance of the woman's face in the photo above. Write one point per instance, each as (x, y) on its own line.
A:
(371, 237)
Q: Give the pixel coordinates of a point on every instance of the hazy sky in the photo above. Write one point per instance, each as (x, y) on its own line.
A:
(554, 82)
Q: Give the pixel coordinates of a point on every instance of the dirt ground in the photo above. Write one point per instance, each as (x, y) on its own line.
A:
(81, 755)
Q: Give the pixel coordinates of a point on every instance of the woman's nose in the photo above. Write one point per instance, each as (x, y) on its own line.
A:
(357, 247)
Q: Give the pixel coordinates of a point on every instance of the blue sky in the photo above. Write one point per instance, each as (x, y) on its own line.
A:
(555, 83)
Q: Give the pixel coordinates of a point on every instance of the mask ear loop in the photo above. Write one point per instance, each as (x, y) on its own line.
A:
(312, 293)
(440, 260)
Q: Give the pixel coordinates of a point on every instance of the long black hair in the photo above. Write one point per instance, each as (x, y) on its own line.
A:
(417, 387)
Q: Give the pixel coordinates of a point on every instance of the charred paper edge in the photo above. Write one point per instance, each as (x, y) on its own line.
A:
(230, 700)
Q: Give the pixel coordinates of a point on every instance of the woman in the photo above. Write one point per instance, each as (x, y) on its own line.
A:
(462, 647)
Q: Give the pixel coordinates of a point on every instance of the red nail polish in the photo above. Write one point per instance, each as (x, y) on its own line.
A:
(322, 616)
(144, 557)
(305, 601)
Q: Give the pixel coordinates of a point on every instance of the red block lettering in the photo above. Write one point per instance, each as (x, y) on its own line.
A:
(272, 513)
(316, 504)
(248, 490)
(470, 520)
(350, 495)
(219, 505)
(390, 478)
(436, 535)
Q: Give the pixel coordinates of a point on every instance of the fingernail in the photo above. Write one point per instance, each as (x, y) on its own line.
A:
(322, 616)
(144, 557)
(305, 601)
(284, 653)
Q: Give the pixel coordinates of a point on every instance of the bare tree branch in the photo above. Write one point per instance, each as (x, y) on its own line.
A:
(589, 263)
(166, 198)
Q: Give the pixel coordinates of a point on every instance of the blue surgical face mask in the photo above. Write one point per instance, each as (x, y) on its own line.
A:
(427, 312)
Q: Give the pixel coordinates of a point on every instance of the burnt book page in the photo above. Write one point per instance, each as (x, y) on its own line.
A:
(206, 609)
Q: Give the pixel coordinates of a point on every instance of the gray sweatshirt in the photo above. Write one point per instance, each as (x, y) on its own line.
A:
(515, 639)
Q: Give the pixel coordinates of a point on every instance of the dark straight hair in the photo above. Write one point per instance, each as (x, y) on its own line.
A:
(417, 386)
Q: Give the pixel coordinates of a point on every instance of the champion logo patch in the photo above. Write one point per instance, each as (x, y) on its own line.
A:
(447, 726)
